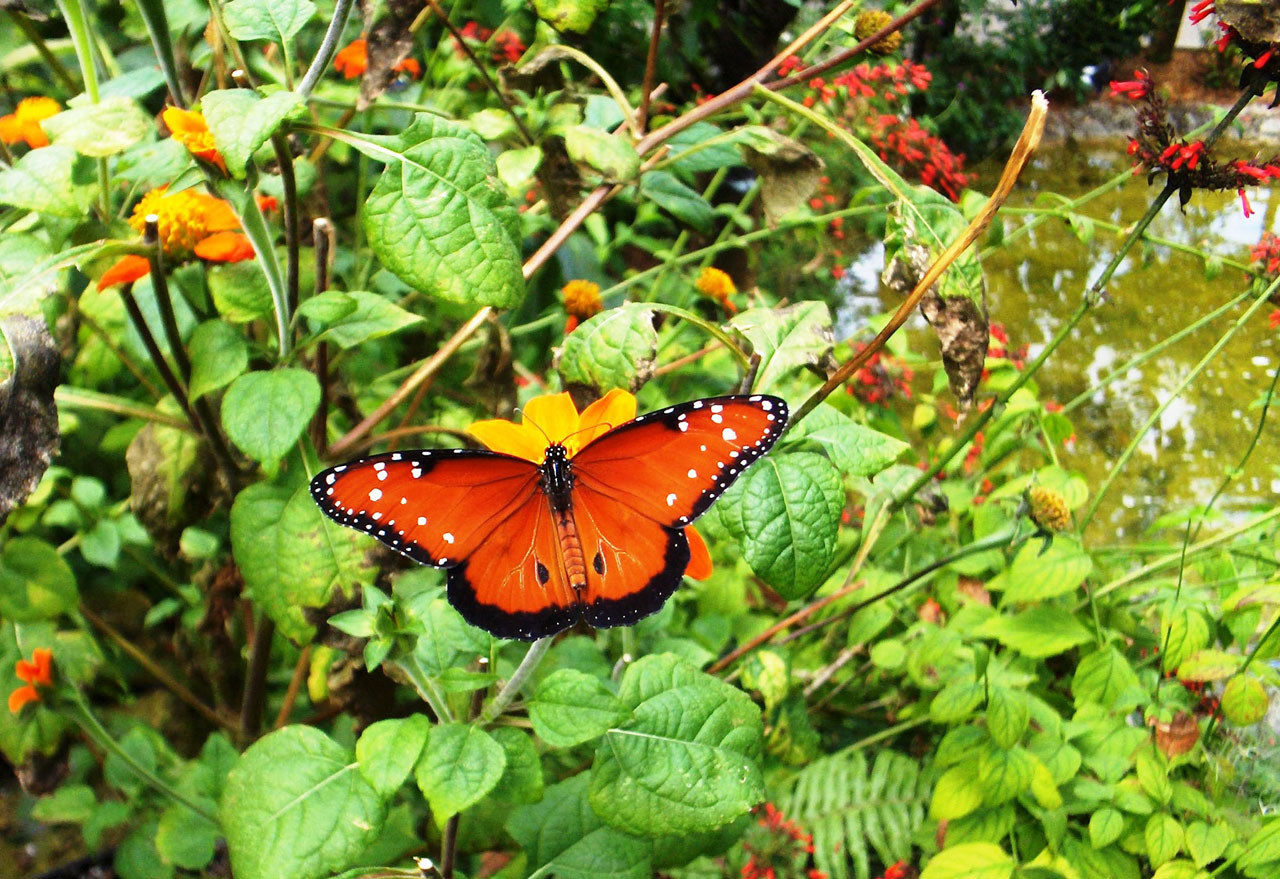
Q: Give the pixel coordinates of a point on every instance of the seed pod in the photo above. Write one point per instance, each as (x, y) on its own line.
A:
(1048, 508)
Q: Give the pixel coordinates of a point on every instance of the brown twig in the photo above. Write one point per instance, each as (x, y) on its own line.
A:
(295, 685)
(799, 616)
(650, 65)
(322, 236)
(166, 680)
(255, 686)
(681, 362)
(412, 430)
(153, 350)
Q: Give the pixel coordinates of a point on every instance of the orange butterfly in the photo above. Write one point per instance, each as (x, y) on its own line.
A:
(582, 521)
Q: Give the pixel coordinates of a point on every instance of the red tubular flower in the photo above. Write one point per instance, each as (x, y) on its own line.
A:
(1135, 89)
(1201, 11)
(1244, 203)
(1273, 319)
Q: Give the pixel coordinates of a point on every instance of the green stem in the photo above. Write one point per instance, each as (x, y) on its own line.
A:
(289, 184)
(426, 688)
(706, 326)
(255, 229)
(42, 48)
(82, 398)
(536, 651)
(1159, 410)
(328, 46)
(887, 733)
(153, 16)
(94, 729)
(77, 18)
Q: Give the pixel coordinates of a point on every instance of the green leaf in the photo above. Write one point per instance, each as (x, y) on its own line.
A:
(614, 349)
(99, 130)
(219, 354)
(291, 556)
(137, 857)
(276, 20)
(570, 707)
(71, 803)
(1007, 716)
(1209, 665)
(439, 218)
(570, 15)
(52, 180)
(447, 641)
(856, 449)
(240, 291)
(1164, 838)
(1244, 700)
(788, 171)
(956, 701)
(1034, 576)
(517, 167)
(297, 805)
(265, 412)
(241, 121)
(1182, 636)
(1153, 775)
(785, 513)
(35, 582)
(186, 839)
(687, 761)
(1104, 677)
(1105, 826)
(785, 338)
(1178, 870)
(370, 317)
(957, 793)
(1263, 847)
(970, 860)
(521, 780)
(682, 202)
(615, 158)
(565, 837)
(100, 545)
(706, 147)
(1036, 633)
(1004, 774)
(1206, 843)
(459, 766)
(388, 751)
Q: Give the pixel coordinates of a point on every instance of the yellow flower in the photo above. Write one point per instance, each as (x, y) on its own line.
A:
(717, 285)
(24, 122)
(189, 129)
(871, 21)
(553, 418)
(1049, 509)
(582, 301)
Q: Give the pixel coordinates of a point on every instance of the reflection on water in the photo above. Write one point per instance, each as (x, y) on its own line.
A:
(1036, 282)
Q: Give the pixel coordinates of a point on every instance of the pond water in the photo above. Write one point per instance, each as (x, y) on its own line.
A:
(1036, 282)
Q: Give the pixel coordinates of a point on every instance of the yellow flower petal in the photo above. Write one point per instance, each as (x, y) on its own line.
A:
(613, 409)
(503, 436)
(553, 415)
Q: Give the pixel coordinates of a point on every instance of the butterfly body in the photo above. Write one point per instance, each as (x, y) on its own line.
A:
(594, 533)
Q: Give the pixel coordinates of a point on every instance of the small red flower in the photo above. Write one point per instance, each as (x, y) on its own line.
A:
(36, 673)
(1134, 89)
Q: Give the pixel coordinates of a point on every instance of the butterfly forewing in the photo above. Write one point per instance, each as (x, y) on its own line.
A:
(434, 506)
(670, 465)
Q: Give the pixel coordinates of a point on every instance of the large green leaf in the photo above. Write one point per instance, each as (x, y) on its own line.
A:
(219, 354)
(52, 180)
(35, 582)
(297, 805)
(101, 129)
(856, 449)
(351, 319)
(1105, 677)
(241, 121)
(388, 751)
(1038, 632)
(291, 556)
(265, 412)
(439, 218)
(614, 349)
(570, 707)
(563, 835)
(1037, 573)
(785, 338)
(521, 780)
(682, 202)
(687, 761)
(971, 860)
(785, 512)
(459, 766)
(277, 20)
(615, 158)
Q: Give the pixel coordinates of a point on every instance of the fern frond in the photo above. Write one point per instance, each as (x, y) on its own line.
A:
(852, 808)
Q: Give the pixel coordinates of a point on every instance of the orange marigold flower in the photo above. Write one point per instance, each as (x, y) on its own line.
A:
(190, 224)
(352, 59)
(717, 285)
(189, 129)
(582, 301)
(36, 673)
(24, 122)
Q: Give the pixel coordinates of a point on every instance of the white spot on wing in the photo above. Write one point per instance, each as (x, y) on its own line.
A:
(693, 474)
(717, 418)
(448, 538)
(422, 520)
(684, 425)
(671, 499)
(375, 494)
(729, 434)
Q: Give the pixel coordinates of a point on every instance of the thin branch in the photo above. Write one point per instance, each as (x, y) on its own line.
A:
(322, 236)
(650, 65)
(328, 47)
(255, 687)
(511, 689)
(798, 617)
(289, 185)
(295, 685)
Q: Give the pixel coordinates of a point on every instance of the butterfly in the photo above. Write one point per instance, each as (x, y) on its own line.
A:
(589, 529)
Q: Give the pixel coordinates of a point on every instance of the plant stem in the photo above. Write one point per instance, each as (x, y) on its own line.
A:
(46, 55)
(537, 650)
(255, 687)
(427, 690)
(295, 686)
(289, 184)
(153, 16)
(94, 729)
(650, 65)
(76, 15)
(81, 398)
(321, 236)
(157, 357)
(160, 286)
(328, 46)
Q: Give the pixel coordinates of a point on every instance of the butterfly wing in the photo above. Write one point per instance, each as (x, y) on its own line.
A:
(637, 487)
(480, 514)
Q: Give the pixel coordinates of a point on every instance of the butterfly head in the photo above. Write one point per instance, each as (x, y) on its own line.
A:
(557, 476)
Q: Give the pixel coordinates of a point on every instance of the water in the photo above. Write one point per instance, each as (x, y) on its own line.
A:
(1036, 282)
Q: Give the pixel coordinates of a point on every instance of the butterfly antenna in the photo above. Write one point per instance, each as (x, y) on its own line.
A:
(608, 426)
(526, 419)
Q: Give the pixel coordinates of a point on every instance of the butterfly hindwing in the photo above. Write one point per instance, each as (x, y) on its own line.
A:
(671, 464)
(434, 506)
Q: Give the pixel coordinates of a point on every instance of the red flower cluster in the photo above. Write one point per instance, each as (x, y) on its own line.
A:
(507, 45)
(905, 144)
(778, 849)
(1265, 67)
(998, 347)
(1267, 252)
(883, 378)
(1134, 89)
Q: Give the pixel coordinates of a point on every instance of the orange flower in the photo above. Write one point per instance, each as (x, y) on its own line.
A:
(37, 672)
(582, 301)
(553, 418)
(718, 286)
(353, 60)
(190, 224)
(24, 122)
(189, 129)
